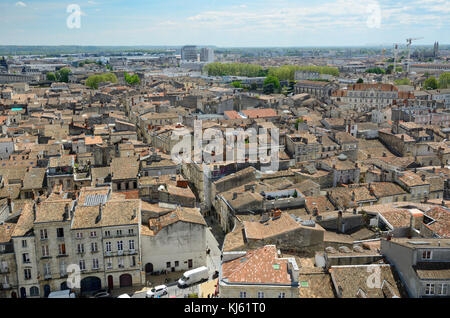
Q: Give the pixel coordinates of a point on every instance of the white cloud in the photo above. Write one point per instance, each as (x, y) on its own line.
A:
(331, 14)
(21, 4)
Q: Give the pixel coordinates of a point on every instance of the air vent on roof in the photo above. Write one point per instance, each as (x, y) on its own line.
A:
(344, 249)
(418, 243)
(310, 223)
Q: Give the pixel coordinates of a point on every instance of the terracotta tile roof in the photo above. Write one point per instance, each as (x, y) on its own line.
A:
(26, 220)
(351, 279)
(261, 266)
(260, 113)
(124, 212)
(86, 217)
(232, 114)
(63, 161)
(188, 215)
(234, 240)
(11, 191)
(6, 231)
(397, 217)
(95, 140)
(259, 231)
(412, 179)
(379, 87)
(124, 168)
(53, 210)
(433, 270)
(385, 189)
(34, 179)
(441, 226)
(321, 203)
(316, 285)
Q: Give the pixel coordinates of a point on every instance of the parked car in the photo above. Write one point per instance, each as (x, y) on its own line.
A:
(157, 291)
(194, 276)
(62, 294)
(102, 293)
(124, 296)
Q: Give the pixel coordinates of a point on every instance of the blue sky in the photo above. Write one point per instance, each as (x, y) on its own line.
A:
(226, 23)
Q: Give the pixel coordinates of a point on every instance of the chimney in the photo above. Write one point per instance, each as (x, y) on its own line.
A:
(66, 212)
(423, 177)
(339, 222)
(234, 195)
(134, 214)
(340, 291)
(34, 211)
(100, 212)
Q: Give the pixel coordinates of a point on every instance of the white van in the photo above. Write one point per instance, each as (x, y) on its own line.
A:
(158, 291)
(62, 294)
(194, 276)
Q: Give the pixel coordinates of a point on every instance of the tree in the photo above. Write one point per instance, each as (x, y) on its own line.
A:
(299, 121)
(389, 69)
(376, 70)
(94, 80)
(360, 81)
(63, 75)
(271, 84)
(403, 81)
(51, 77)
(132, 80)
(430, 83)
(236, 84)
(444, 80)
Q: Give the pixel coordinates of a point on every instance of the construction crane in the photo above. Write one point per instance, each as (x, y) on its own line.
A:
(408, 44)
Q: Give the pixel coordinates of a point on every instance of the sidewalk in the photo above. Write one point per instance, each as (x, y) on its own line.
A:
(208, 288)
(155, 280)
(128, 290)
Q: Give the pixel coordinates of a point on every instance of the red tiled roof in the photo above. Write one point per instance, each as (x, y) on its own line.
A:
(260, 113)
(259, 266)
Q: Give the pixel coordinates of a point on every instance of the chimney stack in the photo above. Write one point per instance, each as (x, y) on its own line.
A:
(339, 222)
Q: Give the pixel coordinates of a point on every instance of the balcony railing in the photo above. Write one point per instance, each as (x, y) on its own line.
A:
(4, 270)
